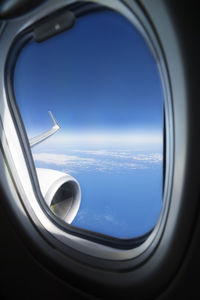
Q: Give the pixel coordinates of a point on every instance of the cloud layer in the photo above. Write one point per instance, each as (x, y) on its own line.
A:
(99, 160)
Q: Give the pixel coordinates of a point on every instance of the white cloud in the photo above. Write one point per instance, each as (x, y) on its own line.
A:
(151, 157)
(61, 159)
(99, 160)
(110, 218)
(155, 157)
(98, 218)
(116, 154)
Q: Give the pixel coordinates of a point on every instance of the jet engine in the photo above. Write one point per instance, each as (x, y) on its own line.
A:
(61, 192)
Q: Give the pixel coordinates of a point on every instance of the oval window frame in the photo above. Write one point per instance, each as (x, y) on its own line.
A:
(84, 245)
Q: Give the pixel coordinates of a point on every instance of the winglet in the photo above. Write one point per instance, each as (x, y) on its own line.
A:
(40, 138)
(52, 118)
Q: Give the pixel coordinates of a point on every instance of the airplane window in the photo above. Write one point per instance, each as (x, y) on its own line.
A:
(98, 153)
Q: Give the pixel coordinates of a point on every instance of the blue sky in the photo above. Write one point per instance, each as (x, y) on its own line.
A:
(99, 75)
(102, 84)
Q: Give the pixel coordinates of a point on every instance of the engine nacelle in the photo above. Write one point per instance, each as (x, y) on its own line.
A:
(61, 192)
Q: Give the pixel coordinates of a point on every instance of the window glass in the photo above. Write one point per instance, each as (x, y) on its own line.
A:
(101, 82)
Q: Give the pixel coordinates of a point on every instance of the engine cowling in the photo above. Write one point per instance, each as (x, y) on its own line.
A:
(61, 192)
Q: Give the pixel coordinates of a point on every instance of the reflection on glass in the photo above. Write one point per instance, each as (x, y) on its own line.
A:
(102, 84)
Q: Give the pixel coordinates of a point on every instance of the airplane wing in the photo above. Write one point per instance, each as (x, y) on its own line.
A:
(40, 138)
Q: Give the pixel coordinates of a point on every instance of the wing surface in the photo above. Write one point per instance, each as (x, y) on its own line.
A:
(43, 136)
